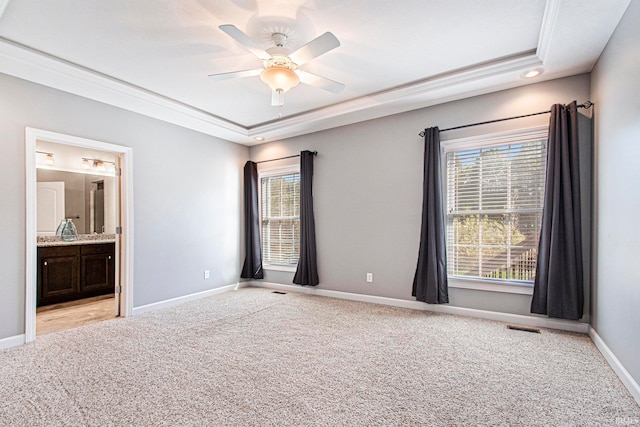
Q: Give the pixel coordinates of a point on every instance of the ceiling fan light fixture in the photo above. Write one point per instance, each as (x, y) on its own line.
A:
(280, 78)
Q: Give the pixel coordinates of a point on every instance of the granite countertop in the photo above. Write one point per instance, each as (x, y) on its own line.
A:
(83, 239)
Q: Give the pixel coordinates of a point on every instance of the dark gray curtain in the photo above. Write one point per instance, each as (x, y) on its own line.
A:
(430, 281)
(307, 271)
(252, 268)
(558, 288)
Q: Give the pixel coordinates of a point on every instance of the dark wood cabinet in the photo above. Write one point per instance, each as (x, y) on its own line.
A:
(59, 276)
(96, 267)
(67, 273)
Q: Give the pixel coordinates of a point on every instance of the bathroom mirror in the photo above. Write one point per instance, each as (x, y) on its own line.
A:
(89, 200)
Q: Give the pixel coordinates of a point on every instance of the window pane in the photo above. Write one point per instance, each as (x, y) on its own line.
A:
(280, 226)
(494, 207)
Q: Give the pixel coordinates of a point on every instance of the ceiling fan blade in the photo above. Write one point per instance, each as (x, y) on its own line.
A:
(236, 74)
(245, 41)
(315, 48)
(321, 82)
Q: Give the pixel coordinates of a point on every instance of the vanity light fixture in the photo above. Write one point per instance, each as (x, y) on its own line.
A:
(87, 164)
(98, 165)
(46, 159)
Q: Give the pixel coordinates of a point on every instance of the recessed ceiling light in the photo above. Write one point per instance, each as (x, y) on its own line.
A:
(259, 138)
(532, 73)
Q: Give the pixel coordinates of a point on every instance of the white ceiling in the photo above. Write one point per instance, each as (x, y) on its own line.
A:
(153, 57)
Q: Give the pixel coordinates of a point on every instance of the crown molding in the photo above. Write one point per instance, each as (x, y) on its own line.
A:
(3, 6)
(38, 67)
(500, 73)
(549, 19)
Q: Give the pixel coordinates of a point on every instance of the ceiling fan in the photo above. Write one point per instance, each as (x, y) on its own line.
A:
(281, 70)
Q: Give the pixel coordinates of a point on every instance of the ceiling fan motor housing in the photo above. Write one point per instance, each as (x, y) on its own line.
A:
(279, 39)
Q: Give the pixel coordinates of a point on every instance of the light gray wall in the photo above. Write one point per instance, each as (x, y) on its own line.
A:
(367, 190)
(615, 89)
(187, 195)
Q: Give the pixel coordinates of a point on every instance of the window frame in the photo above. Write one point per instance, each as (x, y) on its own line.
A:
(267, 173)
(486, 141)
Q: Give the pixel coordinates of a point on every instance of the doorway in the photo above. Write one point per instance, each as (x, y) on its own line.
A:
(75, 280)
(121, 223)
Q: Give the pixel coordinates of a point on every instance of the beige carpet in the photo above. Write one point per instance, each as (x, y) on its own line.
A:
(252, 357)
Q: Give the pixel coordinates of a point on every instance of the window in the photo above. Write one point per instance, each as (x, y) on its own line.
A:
(494, 198)
(280, 217)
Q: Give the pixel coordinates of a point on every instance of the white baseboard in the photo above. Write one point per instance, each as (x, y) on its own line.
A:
(541, 322)
(623, 374)
(180, 300)
(12, 341)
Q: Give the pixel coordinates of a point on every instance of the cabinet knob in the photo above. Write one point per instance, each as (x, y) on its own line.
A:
(46, 263)
(109, 256)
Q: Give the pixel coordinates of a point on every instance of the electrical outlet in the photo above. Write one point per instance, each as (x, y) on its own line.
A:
(206, 274)
(369, 277)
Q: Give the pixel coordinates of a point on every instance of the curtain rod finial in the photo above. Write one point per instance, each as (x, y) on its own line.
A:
(587, 104)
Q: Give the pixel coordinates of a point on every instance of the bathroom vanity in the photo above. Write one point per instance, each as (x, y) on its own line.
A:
(69, 271)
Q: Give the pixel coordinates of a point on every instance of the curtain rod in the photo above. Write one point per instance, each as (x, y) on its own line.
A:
(315, 153)
(587, 105)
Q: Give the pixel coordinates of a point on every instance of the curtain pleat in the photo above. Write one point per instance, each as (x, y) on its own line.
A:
(252, 268)
(558, 287)
(430, 281)
(307, 271)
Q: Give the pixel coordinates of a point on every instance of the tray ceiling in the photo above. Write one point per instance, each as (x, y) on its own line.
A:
(154, 57)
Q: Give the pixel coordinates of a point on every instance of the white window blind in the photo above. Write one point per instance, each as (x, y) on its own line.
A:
(280, 219)
(494, 210)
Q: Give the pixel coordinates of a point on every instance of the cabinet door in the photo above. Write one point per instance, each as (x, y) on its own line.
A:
(97, 272)
(59, 276)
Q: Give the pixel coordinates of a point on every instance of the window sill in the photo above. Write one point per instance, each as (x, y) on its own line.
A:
(492, 285)
(273, 267)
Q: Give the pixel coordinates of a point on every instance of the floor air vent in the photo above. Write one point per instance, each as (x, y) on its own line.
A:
(278, 292)
(523, 328)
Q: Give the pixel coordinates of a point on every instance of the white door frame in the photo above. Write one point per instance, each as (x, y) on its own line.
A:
(126, 220)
